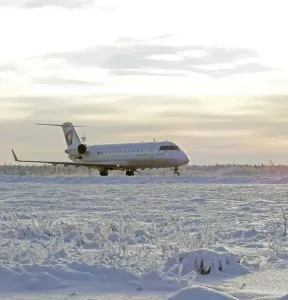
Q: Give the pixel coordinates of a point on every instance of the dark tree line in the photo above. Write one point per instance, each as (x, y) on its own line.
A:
(217, 169)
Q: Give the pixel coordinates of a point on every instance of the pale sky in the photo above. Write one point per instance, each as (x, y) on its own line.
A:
(209, 75)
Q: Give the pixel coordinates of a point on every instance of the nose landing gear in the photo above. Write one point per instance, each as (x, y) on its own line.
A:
(176, 171)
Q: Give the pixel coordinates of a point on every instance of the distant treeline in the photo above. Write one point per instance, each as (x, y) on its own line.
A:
(238, 169)
(217, 169)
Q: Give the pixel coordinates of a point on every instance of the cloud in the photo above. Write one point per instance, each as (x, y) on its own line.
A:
(143, 73)
(239, 69)
(272, 103)
(59, 108)
(104, 110)
(163, 36)
(143, 59)
(67, 4)
(221, 72)
(8, 67)
(183, 116)
(208, 136)
(130, 57)
(63, 81)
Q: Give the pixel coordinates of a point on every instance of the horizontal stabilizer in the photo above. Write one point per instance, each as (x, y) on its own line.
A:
(59, 125)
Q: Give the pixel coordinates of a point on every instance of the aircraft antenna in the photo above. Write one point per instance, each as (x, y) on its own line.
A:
(83, 138)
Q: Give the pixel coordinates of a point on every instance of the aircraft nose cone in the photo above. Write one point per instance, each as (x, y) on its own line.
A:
(184, 158)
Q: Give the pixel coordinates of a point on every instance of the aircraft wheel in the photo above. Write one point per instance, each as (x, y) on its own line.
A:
(104, 173)
(130, 173)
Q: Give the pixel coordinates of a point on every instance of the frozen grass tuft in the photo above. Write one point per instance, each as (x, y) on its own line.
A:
(204, 262)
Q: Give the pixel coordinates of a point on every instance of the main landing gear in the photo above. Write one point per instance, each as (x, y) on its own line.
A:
(176, 171)
(103, 173)
(130, 173)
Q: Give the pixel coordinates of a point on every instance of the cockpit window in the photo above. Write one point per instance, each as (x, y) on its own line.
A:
(165, 148)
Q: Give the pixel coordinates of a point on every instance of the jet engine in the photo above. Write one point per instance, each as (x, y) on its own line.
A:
(82, 149)
(77, 152)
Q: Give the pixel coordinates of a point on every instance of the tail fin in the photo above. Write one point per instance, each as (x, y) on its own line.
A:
(70, 134)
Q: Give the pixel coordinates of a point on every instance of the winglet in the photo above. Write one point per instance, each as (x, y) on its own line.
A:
(15, 157)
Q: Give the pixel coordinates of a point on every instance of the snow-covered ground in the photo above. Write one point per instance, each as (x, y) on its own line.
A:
(147, 237)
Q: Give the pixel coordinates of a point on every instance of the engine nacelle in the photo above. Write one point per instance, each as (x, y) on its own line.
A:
(77, 151)
(82, 149)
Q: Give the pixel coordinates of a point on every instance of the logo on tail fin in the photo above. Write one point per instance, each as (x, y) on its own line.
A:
(69, 137)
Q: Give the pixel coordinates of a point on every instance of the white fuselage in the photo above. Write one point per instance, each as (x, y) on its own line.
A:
(136, 155)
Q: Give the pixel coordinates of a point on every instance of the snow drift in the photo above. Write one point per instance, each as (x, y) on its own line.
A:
(200, 293)
(205, 262)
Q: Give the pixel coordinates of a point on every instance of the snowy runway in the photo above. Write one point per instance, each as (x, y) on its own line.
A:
(114, 236)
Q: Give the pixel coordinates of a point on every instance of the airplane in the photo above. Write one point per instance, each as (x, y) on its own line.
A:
(127, 157)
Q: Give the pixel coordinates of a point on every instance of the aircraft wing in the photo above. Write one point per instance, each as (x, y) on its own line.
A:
(75, 164)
